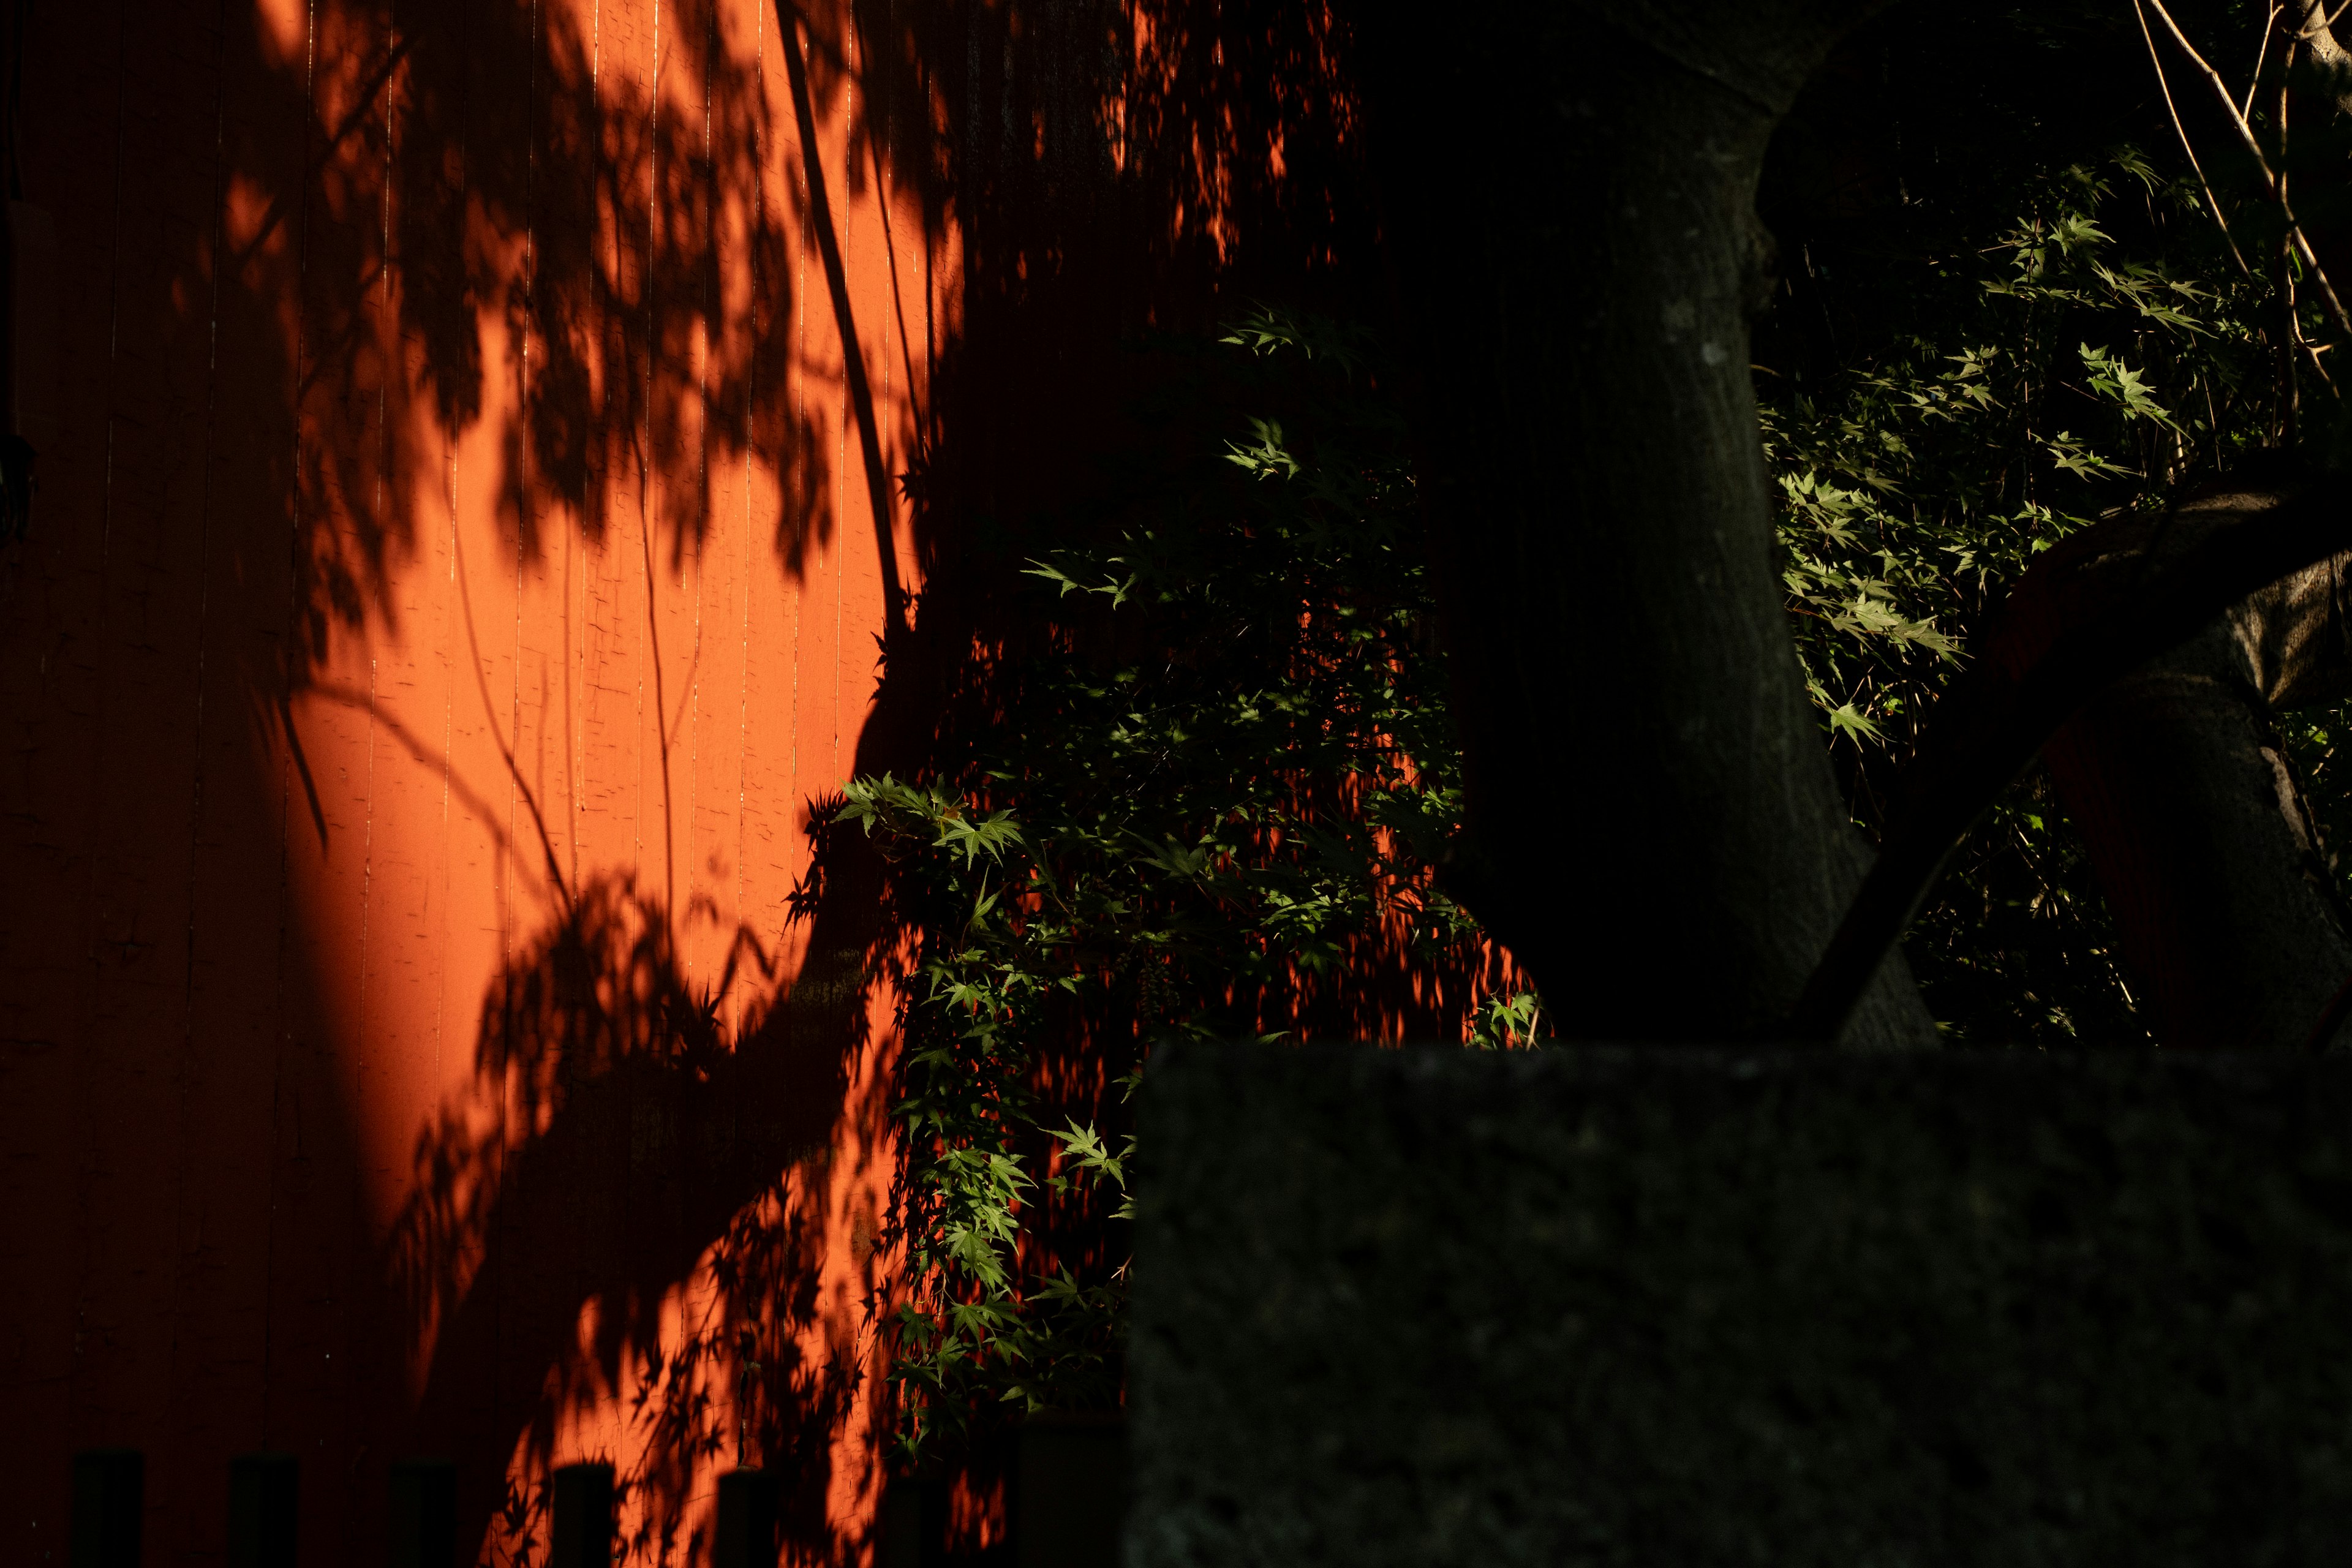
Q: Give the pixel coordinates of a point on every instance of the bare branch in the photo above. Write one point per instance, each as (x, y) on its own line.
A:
(2270, 25)
(2317, 363)
(2317, 21)
(2213, 203)
(2270, 185)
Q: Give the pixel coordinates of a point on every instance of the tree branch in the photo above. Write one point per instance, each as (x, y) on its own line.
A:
(2213, 203)
(2270, 185)
(1989, 726)
(2253, 83)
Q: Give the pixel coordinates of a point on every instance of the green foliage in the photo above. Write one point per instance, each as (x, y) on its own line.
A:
(1210, 805)
(2038, 396)
(2048, 375)
(1995, 326)
(1209, 801)
(2316, 749)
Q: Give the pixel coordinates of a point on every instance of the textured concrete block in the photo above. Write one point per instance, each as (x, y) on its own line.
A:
(1674, 1308)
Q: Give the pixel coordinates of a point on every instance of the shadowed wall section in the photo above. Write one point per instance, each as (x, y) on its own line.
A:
(431, 1020)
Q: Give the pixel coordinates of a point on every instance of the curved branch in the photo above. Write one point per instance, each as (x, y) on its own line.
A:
(1989, 726)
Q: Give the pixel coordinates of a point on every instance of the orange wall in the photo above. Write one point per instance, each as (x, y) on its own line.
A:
(457, 570)
(423, 1030)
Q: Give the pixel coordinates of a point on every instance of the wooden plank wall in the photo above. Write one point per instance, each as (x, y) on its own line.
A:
(426, 1025)
(458, 576)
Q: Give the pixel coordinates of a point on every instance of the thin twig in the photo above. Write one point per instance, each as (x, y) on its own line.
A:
(2260, 55)
(2277, 192)
(2213, 203)
(2315, 364)
(2291, 327)
(2295, 322)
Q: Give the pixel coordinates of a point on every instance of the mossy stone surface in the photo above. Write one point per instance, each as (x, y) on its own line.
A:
(1673, 1307)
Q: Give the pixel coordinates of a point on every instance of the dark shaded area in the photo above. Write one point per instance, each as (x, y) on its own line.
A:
(1598, 521)
(1919, 133)
(2187, 797)
(1641, 1306)
(1072, 1497)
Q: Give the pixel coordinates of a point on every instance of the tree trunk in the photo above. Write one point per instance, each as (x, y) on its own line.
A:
(1567, 193)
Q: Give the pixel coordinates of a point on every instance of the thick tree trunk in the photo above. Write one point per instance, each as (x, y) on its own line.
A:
(1568, 197)
(2307, 19)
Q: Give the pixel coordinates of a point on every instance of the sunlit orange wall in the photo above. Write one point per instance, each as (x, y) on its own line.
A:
(457, 585)
(458, 576)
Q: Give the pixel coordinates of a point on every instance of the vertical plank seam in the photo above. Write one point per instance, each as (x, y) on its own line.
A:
(751, 402)
(702, 509)
(449, 654)
(88, 1045)
(524, 531)
(796, 378)
(841, 499)
(195, 819)
(286, 763)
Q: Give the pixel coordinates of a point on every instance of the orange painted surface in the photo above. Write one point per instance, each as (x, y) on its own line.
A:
(457, 574)
(461, 569)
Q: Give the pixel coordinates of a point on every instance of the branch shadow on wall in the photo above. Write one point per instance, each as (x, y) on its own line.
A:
(503, 227)
(500, 229)
(619, 1140)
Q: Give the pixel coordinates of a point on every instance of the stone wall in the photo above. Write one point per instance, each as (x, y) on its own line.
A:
(1699, 1306)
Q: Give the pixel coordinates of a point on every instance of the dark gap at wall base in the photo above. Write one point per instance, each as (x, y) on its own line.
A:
(746, 1520)
(425, 1514)
(583, 1524)
(264, 1502)
(110, 1504)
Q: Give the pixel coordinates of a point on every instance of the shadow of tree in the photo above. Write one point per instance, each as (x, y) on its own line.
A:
(502, 228)
(564, 261)
(617, 1141)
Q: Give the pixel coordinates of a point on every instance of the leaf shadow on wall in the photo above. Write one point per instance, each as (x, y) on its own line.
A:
(502, 232)
(497, 232)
